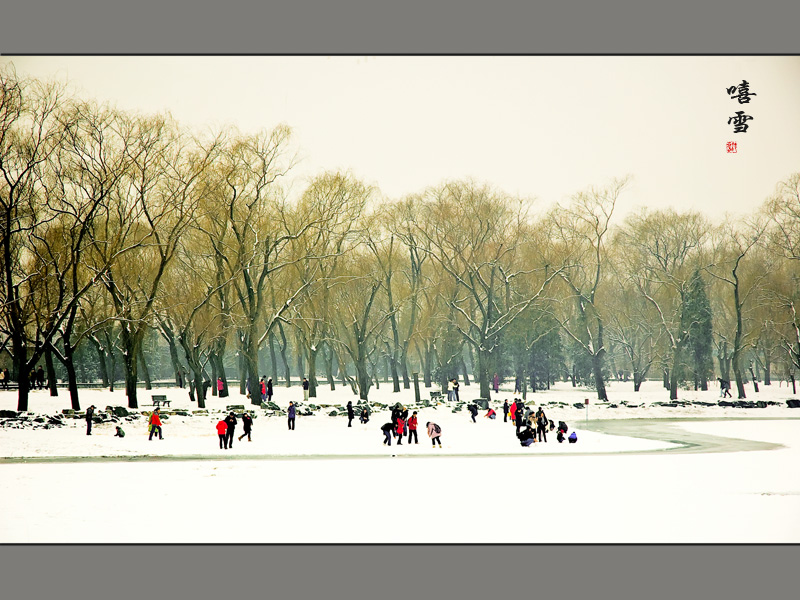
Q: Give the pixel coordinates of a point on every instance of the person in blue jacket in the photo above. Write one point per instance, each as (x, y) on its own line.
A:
(291, 414)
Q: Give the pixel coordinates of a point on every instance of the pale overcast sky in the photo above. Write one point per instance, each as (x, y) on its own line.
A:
(540, 126)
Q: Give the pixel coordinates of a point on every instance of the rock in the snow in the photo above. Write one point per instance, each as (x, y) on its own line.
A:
(8, 414)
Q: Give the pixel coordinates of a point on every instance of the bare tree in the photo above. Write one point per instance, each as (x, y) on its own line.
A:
(580, 233)
(659, 252)
(477, 236)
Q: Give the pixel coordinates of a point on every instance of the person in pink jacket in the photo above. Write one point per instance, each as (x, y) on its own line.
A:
(434, 431)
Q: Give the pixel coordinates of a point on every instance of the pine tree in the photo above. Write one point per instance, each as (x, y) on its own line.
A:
(696, 321)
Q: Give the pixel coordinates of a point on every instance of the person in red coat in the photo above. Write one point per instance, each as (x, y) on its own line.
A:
(490, 414)
(412, 428)
(222, 432)
(155, 424)
(512, 410)
(401, 427)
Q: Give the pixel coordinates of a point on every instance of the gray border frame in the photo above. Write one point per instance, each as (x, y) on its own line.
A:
(410, 27)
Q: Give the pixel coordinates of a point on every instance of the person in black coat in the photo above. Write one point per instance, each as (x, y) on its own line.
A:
(269, 389)
(350, 413)
(231, 421)
(89, 415)
(526, 437)
(505, 411)
(519, 416)
(404, 415)
(247, 423)
(541, 424)
(387, 430)
(395, 416)
(473, 410)
(364, 416)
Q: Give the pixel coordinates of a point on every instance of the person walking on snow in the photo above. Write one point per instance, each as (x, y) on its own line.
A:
(455, 389)
(222, 432)
(89, 415)
(269, 389)
(291, 413)
(247, 423)
(505, 411)
(434, 432)
(305, 389)
(155, 424)
(448, 388)
(512, 410)
(350, 413)
(231, 421)
(412, 429)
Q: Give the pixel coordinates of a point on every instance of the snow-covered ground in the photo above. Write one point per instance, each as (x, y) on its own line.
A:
(689, 478)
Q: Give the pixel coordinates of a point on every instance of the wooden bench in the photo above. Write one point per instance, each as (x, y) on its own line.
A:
(159, 400)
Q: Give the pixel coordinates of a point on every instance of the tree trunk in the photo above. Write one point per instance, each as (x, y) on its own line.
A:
(362, 375)
(68, 361)
(426, 372)
(312, 372)
(464, 372)
(597, 368)
(52, 384)
(112, 363)
(755, 381)
(392, 364)
(131, 376)
(673, 380)
(273, 359)
(145, 371)
(251, 364)
(282, 348)
(101, 360)
(767, 370)
(216, 359)
(213, 376)
(483, 373)
(328, 357)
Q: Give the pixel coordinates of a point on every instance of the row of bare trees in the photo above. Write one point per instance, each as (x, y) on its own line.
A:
(116, 225)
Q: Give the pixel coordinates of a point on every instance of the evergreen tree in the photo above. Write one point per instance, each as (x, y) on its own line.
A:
(696, 322)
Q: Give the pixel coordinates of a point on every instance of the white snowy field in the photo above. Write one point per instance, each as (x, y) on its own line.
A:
(325, 482)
